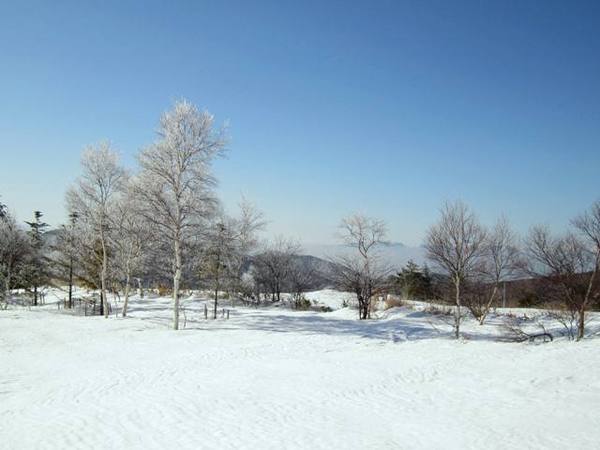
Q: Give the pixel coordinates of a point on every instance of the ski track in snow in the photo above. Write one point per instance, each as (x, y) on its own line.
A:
(277, 379)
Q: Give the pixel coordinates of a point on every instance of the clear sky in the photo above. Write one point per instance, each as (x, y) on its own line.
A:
(388, 108)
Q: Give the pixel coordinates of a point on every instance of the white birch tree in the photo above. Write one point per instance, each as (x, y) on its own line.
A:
(176, 182)
(455, 244)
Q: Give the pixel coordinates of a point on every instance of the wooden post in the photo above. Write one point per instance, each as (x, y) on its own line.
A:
(205, 312)
(227, 314)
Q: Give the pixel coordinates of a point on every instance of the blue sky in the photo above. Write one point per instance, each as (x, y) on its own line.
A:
(388, 108)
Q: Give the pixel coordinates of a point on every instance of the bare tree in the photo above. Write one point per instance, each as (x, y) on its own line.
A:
(93, 197)
(176, 183)
(569, 268)
(588, 226)
(275, 263)
(455, 244)
(300, 278)
(500, 262)
(363, 271)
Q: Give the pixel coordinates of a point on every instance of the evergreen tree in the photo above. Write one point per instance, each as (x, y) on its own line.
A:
(414, 281)
(37, 273)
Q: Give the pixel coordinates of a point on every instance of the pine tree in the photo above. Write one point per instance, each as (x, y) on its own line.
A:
(414, 281)
(72, 222)
(37, 271)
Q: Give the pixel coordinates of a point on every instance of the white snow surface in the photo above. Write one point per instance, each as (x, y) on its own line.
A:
(272, 378)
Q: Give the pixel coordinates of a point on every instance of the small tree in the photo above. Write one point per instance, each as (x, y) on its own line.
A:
(37, 273)
(64, 253)
(130, 241)
(588, 227)
(300, 278)
(569, 269)
(414, 281)
(456, 244)
(218, 252)
(363, 271)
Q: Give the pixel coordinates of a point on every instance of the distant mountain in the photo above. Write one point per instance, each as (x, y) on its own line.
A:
(395, 253)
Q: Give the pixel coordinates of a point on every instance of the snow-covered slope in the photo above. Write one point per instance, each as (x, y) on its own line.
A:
(273, 378)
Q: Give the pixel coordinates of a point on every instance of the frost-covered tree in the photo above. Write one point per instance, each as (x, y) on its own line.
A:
(363, 271)
(130, 240)
(15, 249)
(456, 244)
(93, 197)
(176, 182)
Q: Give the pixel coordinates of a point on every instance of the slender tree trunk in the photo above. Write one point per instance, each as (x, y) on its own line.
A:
(581, 327)
(71, 283)
(125, 303)
(101, 303)
(7, 284)
(35, 295)
(581, 324)
(488, 305)
(140, 288)
(103, 275)
(176, 280)
(216, 299)
(457, 311)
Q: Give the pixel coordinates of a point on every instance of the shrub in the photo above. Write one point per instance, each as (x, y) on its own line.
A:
(163, 290)
(302, 303)
(438, 310)
(393, 302)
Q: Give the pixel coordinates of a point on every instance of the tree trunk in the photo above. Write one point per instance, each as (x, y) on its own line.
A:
(71, 283)
(103, 271)
(488, 305)
(216, 300)
(140, 288)
(176, 280)
(126, 295)
(7, 284)
(581, 324)
(457, 311)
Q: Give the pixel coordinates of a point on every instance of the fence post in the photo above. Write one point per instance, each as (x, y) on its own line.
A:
(205, 312)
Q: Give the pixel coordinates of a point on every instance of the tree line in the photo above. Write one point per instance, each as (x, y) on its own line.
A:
(163, 225)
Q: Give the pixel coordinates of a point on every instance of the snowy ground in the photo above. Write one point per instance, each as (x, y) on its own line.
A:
(271, 378)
